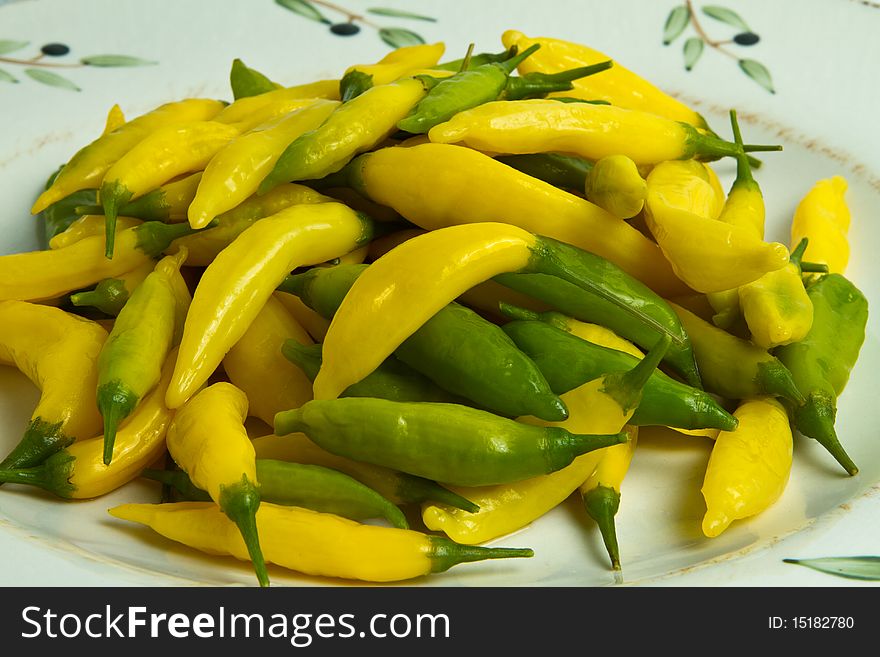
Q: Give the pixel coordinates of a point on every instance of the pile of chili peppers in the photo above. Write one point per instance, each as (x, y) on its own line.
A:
(456, 288)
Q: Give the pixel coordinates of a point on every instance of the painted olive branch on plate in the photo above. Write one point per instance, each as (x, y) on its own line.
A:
(38, 67)
(396, 37)
(685, 15)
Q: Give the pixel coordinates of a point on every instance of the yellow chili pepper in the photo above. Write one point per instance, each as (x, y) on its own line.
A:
(243, 276)
(599, 406)
(236, 171)
(58, 351)
(749, 467)
(823, 217)
(207, 439)
(205, 245)
(272, 384)
(618, 86)
(78, 471)
(115, 119)
(49, 274)
(688, 185)
(592, 131)
(615, 184)
(463, 186)
(87, 167)
(244, 108)
(399, 63)
(164, 154)
(709, 255)
(86, 226)
(325, 544)
(315, 325)
(170, 268)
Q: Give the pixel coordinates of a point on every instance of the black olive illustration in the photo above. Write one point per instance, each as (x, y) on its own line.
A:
(746, 39)
(345, 29)
(55, 49)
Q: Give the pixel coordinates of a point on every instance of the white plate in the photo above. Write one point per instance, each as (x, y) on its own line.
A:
(824, 111)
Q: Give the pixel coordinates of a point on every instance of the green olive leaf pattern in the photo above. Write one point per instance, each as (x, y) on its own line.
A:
(50, 78)
(675, 23)
(7, 77)
(7, 45)
(861, 568)
(397, 37)
(397, 13)
(115, 60)
(304, 8)
(757, 72)
(693, 48)
(726, 15)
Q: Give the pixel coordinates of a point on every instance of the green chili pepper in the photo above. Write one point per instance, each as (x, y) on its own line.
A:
(572, 299)
(246, 81)
(168, 202)
(464, 90)
(733, 367)
(456, 349)
(474, 61)
(446, 442)
(131, 360)
(563, 171)
(821, 362)
(397, 487)
(392, 380)
(109, 296)
(538, 85)
(58, 216)
(296, 484)
(568, 361)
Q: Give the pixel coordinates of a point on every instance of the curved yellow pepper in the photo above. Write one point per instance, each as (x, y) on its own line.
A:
(87, 226)
(244, 108)
(749, 468)
(58, 351)
(618, 85)
(709, 255)
(86, 169)
(401, 62)
(115, 119)
(236, 171)
(615, 184)
(823, 217)
(236, 285)
(311, 542)
(464, 186)
(272, 384)
(207, 439)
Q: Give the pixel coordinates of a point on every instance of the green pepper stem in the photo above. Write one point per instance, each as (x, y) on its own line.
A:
(626, 387)
(240, 502)
(41, 439)
(602, 504)
(814, 268)
(418, 489)
(775, 378)
(52, 475)
(154, 237)
(509, 65)
(115, 402)
(796, 256)
(743, 170)
(477, 60)
(466, 61)
(815, 419)
(109, 296)
(446, 553)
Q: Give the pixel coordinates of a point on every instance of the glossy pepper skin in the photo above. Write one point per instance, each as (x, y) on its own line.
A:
(541, 125)
(78, 471)
(466, 186)
(253, 364)
(236, 171)
(599, 406)
(86, 169)
(207, 439)
(569, 361)
(295, 484)
(205, 245)
(39, 275)
(749, 468)
(619, 86)
(823, 217)
(243, 276)
(398, 63)
(382, 309)
(398, 487)
(130, 362)
(58, 351)
(164, 154)
(457, 349)
(86, 226)
(615, 184)
(327, 544)
(446, 442)
(736, 368)
(821, 362)
(244, 111)
(709, 255)
(355, 127)
(462, 91)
